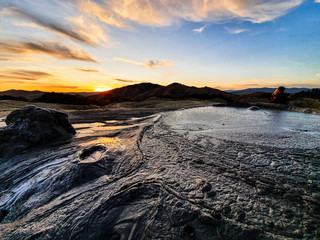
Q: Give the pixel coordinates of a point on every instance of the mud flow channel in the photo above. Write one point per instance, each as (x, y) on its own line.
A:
(202, 173)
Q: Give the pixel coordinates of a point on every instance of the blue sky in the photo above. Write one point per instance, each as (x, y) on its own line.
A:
(89, 45)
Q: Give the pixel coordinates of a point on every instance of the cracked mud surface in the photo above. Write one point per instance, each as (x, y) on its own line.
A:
(203, 173)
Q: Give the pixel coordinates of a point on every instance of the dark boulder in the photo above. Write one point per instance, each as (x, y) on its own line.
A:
(31, 126)
(254, 108)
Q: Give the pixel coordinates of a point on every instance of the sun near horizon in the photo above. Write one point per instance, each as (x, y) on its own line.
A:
(89, 46)
(102, 89)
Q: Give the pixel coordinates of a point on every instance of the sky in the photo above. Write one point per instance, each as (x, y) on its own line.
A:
(96, 45)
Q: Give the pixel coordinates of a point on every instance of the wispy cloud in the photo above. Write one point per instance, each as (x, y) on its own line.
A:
(165, 13)
(60, 86)
(124, 80)
(159, 64)
(236, 30)
(51, 48)
(317, 1)
(129, 61)
(11, 58)
(86, 26)
(75, 32)
(318, 74)
(153, 64)
(22, 74)
(102, 12)
(87, 70)
(199, 30)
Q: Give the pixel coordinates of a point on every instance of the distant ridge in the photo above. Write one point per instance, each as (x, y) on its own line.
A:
(127, 93)
(267, 90)
(62, 98)
(180, 91)
(29, 95)
(144, 91)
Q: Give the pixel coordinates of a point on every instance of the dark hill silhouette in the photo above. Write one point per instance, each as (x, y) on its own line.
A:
(254, 97)
(22, 95)
(144, 91)
(266, 90)
(8, 97)
(28, 95)
(62, 98)
(314, 93)
(179, 91)
(127, 93)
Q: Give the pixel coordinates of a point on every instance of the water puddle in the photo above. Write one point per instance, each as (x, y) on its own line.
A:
(266, 127)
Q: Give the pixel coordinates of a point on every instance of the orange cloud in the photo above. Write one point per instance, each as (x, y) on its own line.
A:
(22, 74)
(149, 63)
(124, 80)
(159, 64)
(86, 70)
(129, 61)
(85, 26)
(167, 12)
(51, 48)
(101, 12)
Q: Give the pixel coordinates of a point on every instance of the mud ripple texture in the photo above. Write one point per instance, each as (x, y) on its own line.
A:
(204, 173)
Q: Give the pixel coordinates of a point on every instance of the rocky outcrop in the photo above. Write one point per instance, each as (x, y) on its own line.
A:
(31, 126)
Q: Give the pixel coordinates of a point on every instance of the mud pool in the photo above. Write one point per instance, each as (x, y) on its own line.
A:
(202, 173)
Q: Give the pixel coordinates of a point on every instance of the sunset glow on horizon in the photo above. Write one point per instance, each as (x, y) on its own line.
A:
(90, 45)
(102, 89)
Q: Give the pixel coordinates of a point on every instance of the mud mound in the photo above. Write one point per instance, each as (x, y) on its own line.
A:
(32, 126)
(174, 176)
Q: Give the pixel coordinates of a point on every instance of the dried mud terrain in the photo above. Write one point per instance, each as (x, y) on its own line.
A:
(201, 173)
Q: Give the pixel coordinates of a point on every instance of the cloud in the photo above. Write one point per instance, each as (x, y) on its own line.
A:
(11, 58)
(51, 48)
(199, 30)
(90, 29)
(318, 74)
(129, 61)
(159, 13)
(124, 80)
(22, 74)
(86, 70)
(317, 1)
(236, 30)
(60, 86)
(78, 33)
(5, 59)
(159, 64)
(102, 12)
(153, 64)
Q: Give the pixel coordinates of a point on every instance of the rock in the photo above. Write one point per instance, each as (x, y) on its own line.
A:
(203, 185)
(31, 126)
(254, 108)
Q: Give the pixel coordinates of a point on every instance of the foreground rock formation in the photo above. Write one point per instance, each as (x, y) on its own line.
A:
(206, 173)
(32, 126)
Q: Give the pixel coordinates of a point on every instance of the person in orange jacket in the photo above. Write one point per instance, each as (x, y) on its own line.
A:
(279, 96)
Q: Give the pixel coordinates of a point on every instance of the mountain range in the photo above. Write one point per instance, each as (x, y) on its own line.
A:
(143, 91)
(267, 90)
